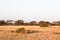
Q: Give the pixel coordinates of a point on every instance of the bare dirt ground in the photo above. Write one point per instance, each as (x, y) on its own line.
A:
(45, 33)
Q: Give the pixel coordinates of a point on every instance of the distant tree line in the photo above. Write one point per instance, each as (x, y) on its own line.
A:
(31, 23)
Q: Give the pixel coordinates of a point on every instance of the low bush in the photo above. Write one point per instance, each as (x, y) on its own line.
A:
(44, 25)
(20, 30)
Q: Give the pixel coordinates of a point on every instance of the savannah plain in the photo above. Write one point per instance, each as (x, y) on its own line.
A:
(41, 33)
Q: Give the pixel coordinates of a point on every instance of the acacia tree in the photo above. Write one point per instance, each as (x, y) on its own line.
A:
(2, 22)
(9, 22)
(19, 22)
(57, 23)
(33, 23)
(43, 24)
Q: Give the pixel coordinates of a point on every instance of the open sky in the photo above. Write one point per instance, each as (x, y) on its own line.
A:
(28, 10)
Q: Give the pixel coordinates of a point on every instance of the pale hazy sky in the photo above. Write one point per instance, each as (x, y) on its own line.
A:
(28, 10)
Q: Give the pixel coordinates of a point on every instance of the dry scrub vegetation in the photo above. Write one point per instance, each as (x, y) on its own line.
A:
(29, 33)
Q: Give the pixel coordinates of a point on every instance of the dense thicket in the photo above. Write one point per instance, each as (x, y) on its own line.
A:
(31, 23)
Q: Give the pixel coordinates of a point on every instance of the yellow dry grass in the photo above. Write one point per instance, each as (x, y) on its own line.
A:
(45, 33)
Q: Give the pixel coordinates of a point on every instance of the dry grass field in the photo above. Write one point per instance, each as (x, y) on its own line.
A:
(44, 33)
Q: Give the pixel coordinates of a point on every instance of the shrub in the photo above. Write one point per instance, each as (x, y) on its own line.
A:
(19, 22)
(20, 30)
(44, 24)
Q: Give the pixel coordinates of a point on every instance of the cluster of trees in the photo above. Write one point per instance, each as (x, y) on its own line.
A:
(21, 22)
